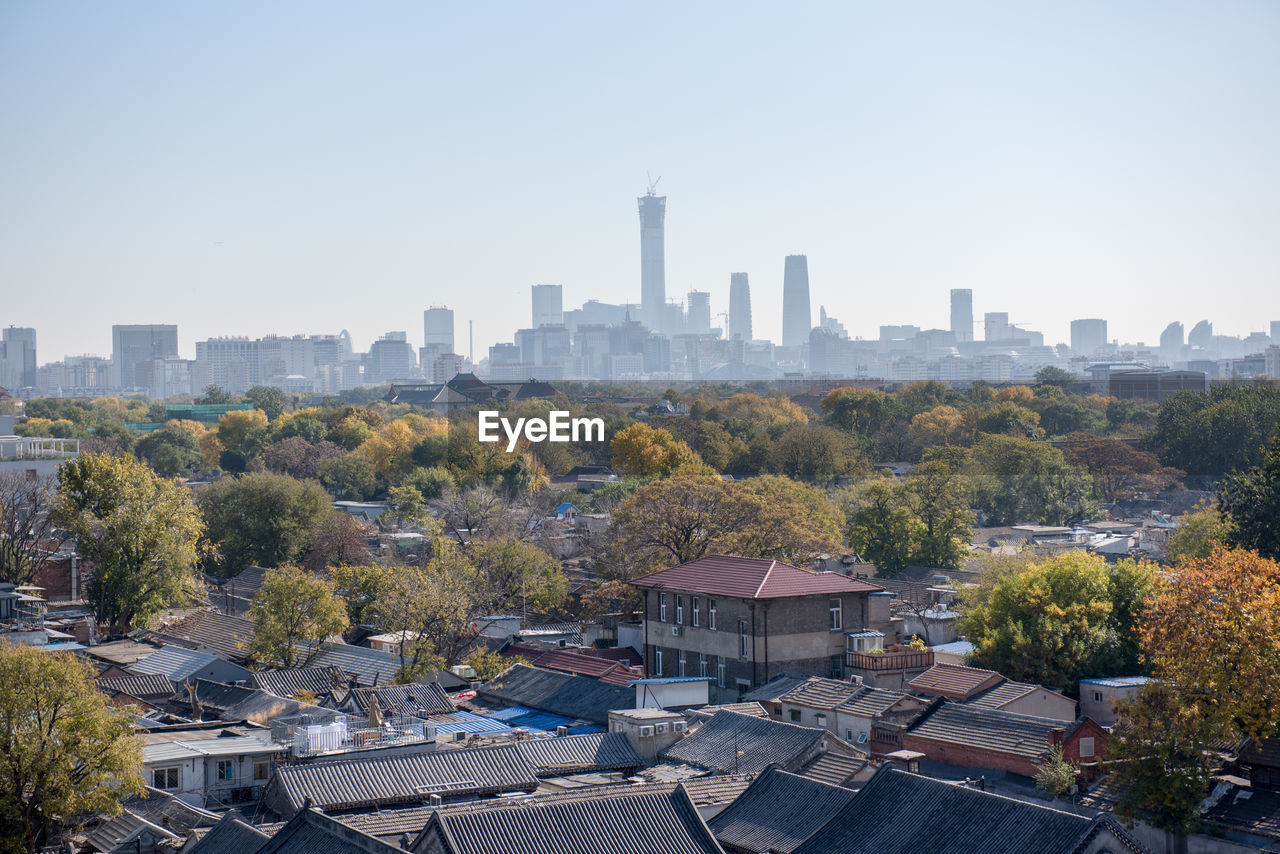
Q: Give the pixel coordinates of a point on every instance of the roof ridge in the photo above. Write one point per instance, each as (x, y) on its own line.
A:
(765, 580)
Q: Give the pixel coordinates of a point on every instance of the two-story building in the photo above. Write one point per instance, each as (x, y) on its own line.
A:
(741, 621)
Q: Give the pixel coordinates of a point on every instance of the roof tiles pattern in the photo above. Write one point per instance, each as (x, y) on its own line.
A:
(751, 578)
(575, 754)
(743, 744)
(954, 681)
(778, 812)
(988, 729)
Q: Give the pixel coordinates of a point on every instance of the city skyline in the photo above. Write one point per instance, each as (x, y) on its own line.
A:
(253, 170)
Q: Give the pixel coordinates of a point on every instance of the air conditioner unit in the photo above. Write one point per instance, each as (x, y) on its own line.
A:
(677, 726)
(677, 631)
(646, 732)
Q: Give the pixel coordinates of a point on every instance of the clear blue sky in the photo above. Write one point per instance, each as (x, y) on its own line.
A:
(249, 167)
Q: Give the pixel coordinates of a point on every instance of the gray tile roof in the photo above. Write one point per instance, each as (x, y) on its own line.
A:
(1002, 695)
(897, 811)
(643, 823)
(419, 698)
(345, 785)
(778, 812)
(312, 832)
(558, 693)
(175, 662)
(819, 693)
(289, 683)
(988, 729)
(124, 829)
(870, 702)
(775, 688)
(834, 769)
(743, 744)
(577, 754)
(368, 666)
(227, 636)
(231, 835)
(145, 686)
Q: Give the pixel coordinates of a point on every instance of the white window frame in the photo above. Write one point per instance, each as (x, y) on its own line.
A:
(682, 663)
(230, 765)
(1092, 749)
(679, 610)
(702, 665)
(742, 639)
(711, 614)
(657, 661)
(662, 607)
(696, 614)
(821, 719)
(835, 612)
(720, 668)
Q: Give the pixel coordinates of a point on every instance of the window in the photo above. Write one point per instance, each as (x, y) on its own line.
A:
(743, 685)
(226, 769)
(680, 610)
(702, 665)
(821, 720)
(834, 608)
(862, 738)
(662, 607)
(1086, 747)
(720, 674)
(742, 638)
(657, 661)
(711, 614)
(795, 716)
(682, 664)
(1097, 696)
(696, 621)
(165, 778)
(848, 735)
(261, 770)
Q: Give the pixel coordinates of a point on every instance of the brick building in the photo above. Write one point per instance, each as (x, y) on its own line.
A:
(742, 621)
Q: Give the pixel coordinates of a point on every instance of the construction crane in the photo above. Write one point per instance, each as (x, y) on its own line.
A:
(653, 183)
(725, 315)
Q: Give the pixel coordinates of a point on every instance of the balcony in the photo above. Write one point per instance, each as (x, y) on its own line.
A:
(887, 661)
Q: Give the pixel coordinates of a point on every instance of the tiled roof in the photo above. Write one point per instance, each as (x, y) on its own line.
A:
(834, 769)
(775, 688)
(146, 686)
(870, 702)
(751, 578)
(1118, 681)
(290, 683)
(819, 693)
(1254, 811)
(417, 698)
(122, 830)
(742, 744)
(897, 811)
(231, 835)
(174, 662)
(777, 812)
(988, 729)
(572, 662)
(368, 666)
(577, 754)
(621, 654)
(754, 709)
(1002, 695)
(643, 823)
(228, 636)
(558, 693)
(313, 832)
(400, 779)
(954, 681)
(1265, 753)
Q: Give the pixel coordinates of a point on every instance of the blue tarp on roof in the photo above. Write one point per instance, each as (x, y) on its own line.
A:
(512, 712)
(468, 722)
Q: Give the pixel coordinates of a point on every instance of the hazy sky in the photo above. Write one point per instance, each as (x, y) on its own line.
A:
(249, 167)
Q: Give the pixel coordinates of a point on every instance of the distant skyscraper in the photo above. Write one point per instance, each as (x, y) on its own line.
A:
(1201, 335)
(1172, 339)
(962, 313)
(1088, 335)
(437, 330)
(797, 319)
(18, 358)
(996, 326)
(653, 264)
(548, 305)
(133, 345)
(739, 307)
(698, 321)
(1275, 332)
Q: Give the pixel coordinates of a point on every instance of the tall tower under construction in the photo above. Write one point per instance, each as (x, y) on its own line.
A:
(739, 307)
(797, 319)
(653, 265)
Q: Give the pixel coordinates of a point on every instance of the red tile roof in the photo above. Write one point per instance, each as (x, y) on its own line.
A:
(572, 662)
(954, 681)
(752, 578)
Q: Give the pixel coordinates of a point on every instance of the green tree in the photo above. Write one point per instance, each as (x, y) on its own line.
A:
(215, 395)
(1017, 480)
(260, 519)
(1212, 433)
(861, 412)
(1057, 621)
(939, 497)
(269, 399)
(1009, 419)
(65, 754)
(1049, 375)
(361, 587)
(1056, 775)
(1161, 755)
(517, 576)
(1199, 533)
(350, 476)
(293, 608)
(882, 528)
(1250, 506)
(170, 452)
(815, 454)
(141, 533)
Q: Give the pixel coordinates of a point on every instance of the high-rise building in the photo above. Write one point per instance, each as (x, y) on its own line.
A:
(1201, 335)
(133, 345)
(797, 319)
(548, 305)
(1172, 339)
(391, 358)
(996, 326)
(18, 358)
(1275, 332)
(962, 313)
(698, 320)
(739, 307)
(653, 264)
(1088, 335)
(437, 330)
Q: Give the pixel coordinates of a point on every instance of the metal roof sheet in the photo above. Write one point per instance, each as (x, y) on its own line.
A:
(175, 662)
(742, 744)
(751, 578)
(574, 754)
(777, 812)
